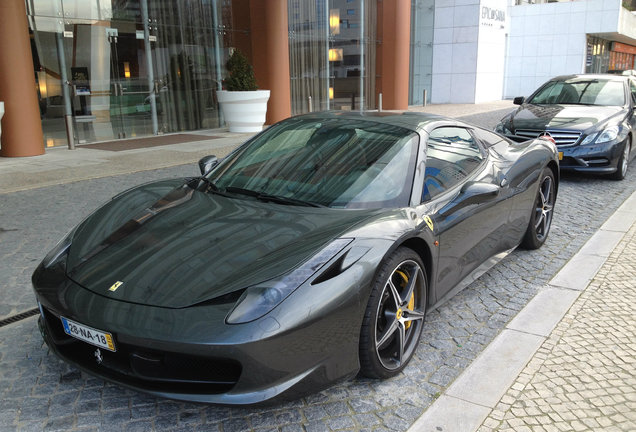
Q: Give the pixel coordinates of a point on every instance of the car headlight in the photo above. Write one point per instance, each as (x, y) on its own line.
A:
(59, 252)
(589, 139)
(608, 134)
(260, 299)
(502, 129)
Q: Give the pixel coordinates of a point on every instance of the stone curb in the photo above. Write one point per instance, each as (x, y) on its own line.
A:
(467, 402)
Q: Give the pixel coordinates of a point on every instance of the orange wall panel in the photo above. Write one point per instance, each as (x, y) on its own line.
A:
(270, 55)
(21, 126)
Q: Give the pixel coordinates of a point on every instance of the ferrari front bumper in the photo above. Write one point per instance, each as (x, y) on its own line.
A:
(307, 343)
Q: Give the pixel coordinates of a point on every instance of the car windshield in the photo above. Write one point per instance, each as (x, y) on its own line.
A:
(339, 163)
(581, 92)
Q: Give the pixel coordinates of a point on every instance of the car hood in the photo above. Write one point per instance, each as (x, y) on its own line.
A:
(187, 246)
(570, 117)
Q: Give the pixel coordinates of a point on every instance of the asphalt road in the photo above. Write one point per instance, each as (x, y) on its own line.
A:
(37, 391)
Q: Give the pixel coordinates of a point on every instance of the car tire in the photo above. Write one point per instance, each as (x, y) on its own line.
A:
(542, 211)
(623, 162)
(394, 316)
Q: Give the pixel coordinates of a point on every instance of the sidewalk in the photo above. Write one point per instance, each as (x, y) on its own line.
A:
(60, 165)
(567, 361)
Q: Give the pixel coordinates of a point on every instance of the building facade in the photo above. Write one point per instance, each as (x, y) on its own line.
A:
(551, 39)
(112, 69)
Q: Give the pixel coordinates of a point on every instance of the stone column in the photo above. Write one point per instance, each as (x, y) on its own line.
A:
(270, 55)
(21, 125)
(394, 18)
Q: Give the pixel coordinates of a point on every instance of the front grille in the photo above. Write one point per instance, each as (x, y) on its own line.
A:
(144, 368)
(561, 137)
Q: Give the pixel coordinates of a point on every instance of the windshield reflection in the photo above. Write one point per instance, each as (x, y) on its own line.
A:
(328, 162)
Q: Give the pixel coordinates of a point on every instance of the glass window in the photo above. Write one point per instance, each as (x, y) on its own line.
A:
(133, 71)
(321, 36)
(581, 91)
(331, 162)
(421, 47)
(451, 155)
(632, 89)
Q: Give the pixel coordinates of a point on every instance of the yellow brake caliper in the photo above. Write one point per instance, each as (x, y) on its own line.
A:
(411, 305)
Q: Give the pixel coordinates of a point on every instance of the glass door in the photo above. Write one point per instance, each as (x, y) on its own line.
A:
(123, 69)
(132, 89)
(111, 91)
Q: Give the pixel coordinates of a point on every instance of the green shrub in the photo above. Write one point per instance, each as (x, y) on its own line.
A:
(241, 73)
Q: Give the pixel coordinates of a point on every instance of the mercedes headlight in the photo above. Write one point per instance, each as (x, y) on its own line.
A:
(609, 134)
(502, 129)
(589, 139)
(260, 299)
(606, 135)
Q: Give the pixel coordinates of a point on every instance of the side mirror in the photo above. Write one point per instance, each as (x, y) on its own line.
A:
(519, 100)
(471, 193)
(207, 163)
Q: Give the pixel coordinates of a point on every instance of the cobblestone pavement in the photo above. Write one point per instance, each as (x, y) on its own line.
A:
(37, 391)
(583, 378)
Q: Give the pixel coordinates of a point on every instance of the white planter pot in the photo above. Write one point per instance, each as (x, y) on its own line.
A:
(244, 111)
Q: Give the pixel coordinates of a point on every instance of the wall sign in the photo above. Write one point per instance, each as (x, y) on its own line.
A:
(492, 14)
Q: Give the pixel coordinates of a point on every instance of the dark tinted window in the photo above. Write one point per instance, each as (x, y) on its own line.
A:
(632, 89)
(451, 155)
(333, 162)
(581, 91)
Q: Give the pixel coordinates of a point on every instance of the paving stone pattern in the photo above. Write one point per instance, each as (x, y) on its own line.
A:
(37, 391)
(583, 378)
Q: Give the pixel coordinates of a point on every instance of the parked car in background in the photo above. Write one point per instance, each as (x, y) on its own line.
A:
(310, 253)
(590, 117)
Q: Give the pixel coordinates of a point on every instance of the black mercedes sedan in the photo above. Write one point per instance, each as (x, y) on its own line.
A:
(309, 254)
(590, 117)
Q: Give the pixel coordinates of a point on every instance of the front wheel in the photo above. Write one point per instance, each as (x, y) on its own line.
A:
(394, 317)
(541, 216)
(623, 162)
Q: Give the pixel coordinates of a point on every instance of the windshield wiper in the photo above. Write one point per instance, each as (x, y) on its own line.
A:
(213, 187)
(262, 196)
(286, 200)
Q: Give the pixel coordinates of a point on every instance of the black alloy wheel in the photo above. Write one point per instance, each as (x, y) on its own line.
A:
(542, 211)
(623, 161)
(394, 317)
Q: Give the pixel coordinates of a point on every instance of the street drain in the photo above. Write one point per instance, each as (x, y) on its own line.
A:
(19, 317)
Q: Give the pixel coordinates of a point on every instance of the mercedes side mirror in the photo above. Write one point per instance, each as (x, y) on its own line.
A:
(519, 100)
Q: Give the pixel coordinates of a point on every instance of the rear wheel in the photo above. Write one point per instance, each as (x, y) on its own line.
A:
(394, 317)
(623, 162)
(541, 216)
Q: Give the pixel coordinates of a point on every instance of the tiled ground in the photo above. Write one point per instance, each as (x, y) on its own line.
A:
(583, 378)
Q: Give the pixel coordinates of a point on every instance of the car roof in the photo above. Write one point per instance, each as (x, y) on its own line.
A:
(611, 77)
(406, 119)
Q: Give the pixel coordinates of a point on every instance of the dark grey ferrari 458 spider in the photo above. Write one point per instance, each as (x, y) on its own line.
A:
(310, 254)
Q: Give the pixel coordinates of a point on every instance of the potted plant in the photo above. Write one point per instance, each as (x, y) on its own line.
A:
(243, 105)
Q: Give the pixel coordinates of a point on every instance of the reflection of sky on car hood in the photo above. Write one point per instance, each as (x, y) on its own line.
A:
(562, 116)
